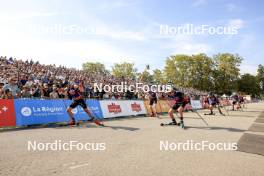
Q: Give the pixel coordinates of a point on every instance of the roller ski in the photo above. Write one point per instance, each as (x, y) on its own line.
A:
(209, 113)
(220, 111)
(170, 124)
(72, 123)
(182, 125)
(98, 122)
(95, 121)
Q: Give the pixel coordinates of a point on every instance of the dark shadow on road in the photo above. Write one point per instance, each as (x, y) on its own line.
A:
(64, 126)
(122, 128)
(233, 115)
(216, 128)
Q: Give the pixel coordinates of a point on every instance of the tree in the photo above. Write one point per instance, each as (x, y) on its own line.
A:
(145, 76)
(177, 70)
(94, 67)
(226, 72)
(190, 71)
(260, 78)
(201, 70)
(124, 70)
(158, 77)
(248, 84)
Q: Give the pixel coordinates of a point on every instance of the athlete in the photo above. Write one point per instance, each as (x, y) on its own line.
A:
(241, 101)
(213, 101)
(153, 100)
(178, 106)
(78, 100)
(235, 101)
(188, 106)
(205, 102)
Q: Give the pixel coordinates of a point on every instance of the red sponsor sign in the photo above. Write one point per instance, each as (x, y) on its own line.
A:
(136, 107)
(7, 113)
(113, 108)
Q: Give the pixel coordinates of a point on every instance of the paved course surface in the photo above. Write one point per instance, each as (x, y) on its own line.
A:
(133, 148)
(253, 140)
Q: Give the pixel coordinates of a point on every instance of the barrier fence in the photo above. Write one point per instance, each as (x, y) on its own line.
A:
(20, 112)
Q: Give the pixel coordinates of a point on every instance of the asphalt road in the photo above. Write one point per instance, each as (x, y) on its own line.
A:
(132, 147)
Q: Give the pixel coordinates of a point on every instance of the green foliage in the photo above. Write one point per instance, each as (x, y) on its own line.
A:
(190, 71)
(220, 73)
(158, 77)
(248, 84)
(201, 72)
(226, 72)
(177, 70)
(146, 77)
(94, 67)
(124, 69)
(260, 79)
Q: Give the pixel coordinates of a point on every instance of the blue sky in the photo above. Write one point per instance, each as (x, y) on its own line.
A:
(126, 30)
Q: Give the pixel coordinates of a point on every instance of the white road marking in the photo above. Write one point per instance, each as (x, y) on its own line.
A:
(78, 166)
(68, 164)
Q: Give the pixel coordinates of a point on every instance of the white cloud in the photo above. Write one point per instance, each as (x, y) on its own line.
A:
(237, 23)
(109, 5)
(248, 68)
(197, 3)
(183, 44)
(122, 34)
(231, 7)
(16, 16)
(69, 53)
(191, 48)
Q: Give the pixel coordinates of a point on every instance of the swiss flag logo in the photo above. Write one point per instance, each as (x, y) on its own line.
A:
(7, 113)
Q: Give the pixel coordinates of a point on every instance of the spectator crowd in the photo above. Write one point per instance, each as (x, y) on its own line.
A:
(29, 79)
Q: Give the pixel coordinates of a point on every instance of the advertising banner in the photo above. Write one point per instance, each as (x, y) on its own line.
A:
(196, 104)
(136, 107)
(7, 113)
(118, 108)
(29, 112)
(114, 108)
